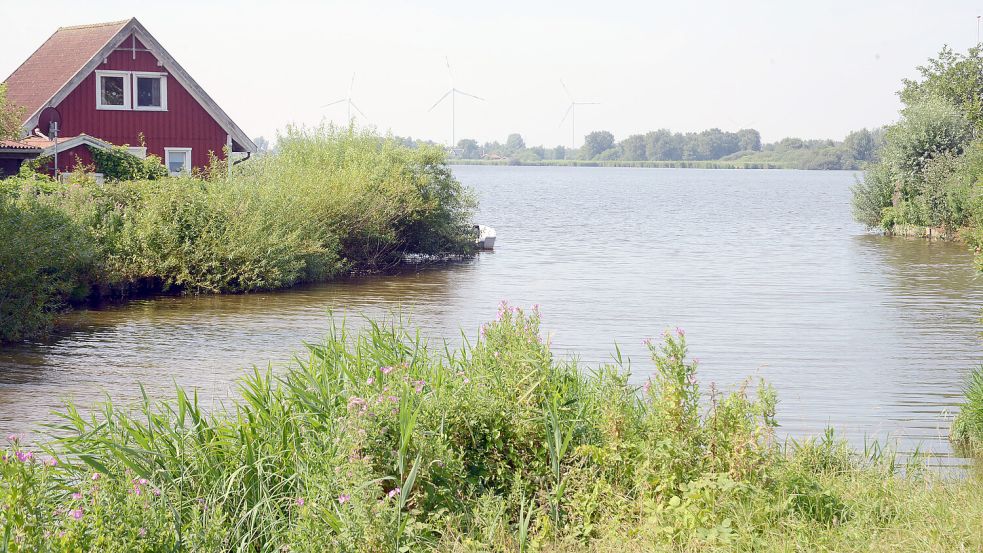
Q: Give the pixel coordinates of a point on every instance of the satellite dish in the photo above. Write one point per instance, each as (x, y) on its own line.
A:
(49, 116)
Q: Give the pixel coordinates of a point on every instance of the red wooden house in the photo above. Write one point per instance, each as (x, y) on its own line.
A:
(113, 83)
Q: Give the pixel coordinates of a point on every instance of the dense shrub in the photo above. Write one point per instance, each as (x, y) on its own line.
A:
(45, 258)
(379, 443)
(328, 202)
(118, 164)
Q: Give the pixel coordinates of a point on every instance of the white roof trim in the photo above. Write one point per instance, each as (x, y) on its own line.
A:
(150, 43)
(80, 140)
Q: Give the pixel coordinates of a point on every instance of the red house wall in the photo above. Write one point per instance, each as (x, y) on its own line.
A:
(69, 159)
(185, 124)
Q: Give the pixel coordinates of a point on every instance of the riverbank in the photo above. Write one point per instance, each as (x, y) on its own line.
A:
(330, 202)
(616, 163)
(378, 442)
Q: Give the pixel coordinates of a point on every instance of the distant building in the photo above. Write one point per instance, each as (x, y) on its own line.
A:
(114, 84)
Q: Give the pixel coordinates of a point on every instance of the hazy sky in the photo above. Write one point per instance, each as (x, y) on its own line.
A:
(816, 69)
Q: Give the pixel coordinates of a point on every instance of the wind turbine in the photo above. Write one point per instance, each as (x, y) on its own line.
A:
(453, 92)
(572, 112)
(348, 99)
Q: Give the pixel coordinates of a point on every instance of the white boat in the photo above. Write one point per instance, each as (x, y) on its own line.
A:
(486, 237)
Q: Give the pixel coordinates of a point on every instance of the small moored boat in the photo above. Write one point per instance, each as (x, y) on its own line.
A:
(486, 237)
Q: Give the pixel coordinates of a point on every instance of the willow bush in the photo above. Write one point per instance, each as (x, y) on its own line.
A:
(329, 202)
(377, 441)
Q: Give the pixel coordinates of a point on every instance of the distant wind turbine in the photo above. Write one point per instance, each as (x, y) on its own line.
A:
(572, 112)
(348, 99)
(453, 92)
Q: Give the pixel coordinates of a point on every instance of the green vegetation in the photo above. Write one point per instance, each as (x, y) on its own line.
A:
(967, 428)
(649, 164)
(377, 442)
(712, 148)
(930, 169)
(10, 116)
(327, 203)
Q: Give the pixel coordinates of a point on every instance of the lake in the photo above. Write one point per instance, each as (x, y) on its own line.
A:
(765, 270)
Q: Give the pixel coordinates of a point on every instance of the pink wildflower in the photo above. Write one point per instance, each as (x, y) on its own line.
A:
(76, 513)
(12, 437)
(76, 495)
(647, 385)
(370, 381)
(356, 402)
(386, 370)
(418, 385)
(299, 501)
(52, 462)
(394, 492)
(344, 498)
(680, 332)
(96, 476)
(24, 456)
(142, 532)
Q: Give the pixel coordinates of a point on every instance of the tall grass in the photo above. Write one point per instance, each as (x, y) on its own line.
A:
(329, 202)
(377, 441)
(967, 427)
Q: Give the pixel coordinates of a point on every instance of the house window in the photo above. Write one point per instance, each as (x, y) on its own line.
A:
(138, 151)
(178, 160)
(150, 91)
(112, 90)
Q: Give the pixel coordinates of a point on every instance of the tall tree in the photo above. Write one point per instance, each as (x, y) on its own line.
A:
(514, 143)
(597, 142)
(468, 147)
(11, 116)
(955, 77)
(860, 144)
(749, 140)
(633, 148)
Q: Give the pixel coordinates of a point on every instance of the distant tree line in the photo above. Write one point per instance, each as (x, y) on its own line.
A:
(743, 146)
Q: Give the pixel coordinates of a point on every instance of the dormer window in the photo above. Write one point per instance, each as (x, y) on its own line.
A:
(125, 90)
(112, 89)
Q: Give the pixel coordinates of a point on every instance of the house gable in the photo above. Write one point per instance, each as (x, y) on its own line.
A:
(191, 114)
(184, 124)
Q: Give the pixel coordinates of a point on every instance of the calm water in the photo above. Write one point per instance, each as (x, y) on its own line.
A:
(764, 269)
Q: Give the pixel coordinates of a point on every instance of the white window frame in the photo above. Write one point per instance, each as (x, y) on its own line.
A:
(163, 90)
(138, 151)
(127, 90)
(167, 160)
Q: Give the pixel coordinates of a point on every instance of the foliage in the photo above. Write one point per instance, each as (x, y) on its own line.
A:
(117, 163)
(45, 258)
(955, 78)
(653, 149)
(929, 171)
(327, 202)
(595, 143)
(377, 442)
(967, 428)
(11, 116)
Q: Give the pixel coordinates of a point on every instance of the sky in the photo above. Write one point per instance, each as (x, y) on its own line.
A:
(804, 69)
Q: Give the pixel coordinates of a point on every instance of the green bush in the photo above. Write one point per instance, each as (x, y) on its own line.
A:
(44, 260)
(118, 164)
(378, 442)
(328, 202)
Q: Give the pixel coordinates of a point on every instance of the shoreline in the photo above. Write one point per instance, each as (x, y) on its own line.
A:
(628, 164)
